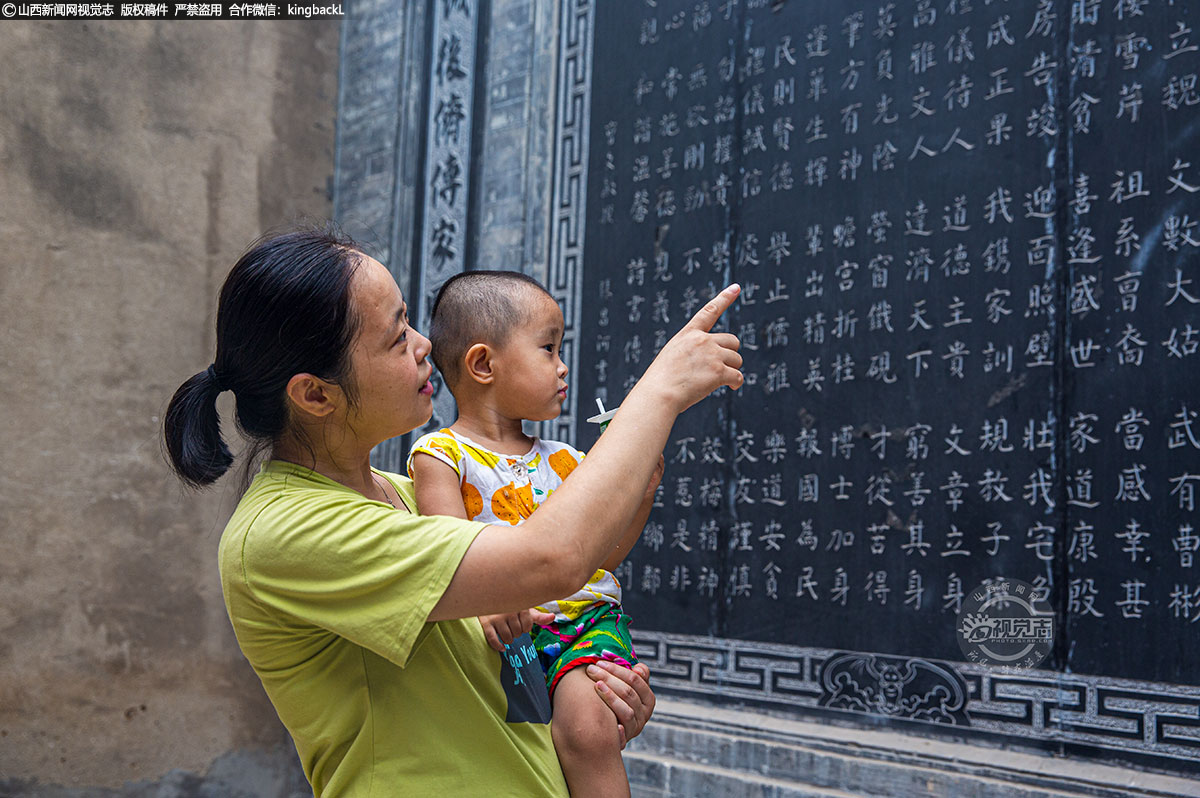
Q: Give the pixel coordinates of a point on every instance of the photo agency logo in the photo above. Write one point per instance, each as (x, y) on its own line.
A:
(1006, 622)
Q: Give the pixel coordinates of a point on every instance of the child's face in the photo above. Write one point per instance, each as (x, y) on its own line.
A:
(530, 377)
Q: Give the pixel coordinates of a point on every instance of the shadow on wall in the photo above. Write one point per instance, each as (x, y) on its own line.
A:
(274, 773)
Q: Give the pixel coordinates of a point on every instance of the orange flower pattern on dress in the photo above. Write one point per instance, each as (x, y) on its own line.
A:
(563, 463)
(472, 501)
(505, 489)
(512, 504)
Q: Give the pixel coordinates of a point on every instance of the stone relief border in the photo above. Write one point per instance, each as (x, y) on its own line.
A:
(571, 140)
(1161, 720)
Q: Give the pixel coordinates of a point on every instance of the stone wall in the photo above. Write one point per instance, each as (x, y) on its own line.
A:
(692, 747)
(137, 161)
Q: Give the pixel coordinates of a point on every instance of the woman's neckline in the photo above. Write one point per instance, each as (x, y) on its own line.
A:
(310, 472)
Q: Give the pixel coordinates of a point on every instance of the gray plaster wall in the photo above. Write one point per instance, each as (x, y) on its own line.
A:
(137, 161)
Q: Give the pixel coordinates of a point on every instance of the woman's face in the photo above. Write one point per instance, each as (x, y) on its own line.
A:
(388, 359)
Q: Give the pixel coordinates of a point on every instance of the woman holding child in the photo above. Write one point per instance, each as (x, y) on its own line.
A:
(358, 615)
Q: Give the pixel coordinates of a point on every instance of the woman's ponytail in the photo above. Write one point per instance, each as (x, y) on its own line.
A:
(284, 309)
(192, 431)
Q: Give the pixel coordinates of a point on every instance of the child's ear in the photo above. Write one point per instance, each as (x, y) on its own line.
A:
(478, 364)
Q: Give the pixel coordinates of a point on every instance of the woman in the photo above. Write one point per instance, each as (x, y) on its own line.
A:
(359, 616)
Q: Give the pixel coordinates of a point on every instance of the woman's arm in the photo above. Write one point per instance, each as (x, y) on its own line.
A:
(579, 526)
(639, 522)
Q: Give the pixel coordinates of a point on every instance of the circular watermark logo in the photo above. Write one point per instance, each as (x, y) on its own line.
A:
(1006, 622)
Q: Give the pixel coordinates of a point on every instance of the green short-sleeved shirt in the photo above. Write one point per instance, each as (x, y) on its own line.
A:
(328, 593)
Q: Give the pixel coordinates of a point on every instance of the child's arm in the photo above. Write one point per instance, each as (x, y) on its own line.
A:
(438, 493)
(639, 521)
(437, 488)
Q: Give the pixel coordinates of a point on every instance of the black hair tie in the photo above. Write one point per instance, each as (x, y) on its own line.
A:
(215, 379)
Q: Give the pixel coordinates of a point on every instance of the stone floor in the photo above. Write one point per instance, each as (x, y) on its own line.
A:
(692, 750)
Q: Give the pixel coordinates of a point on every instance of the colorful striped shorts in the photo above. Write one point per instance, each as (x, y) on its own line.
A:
(600, 633)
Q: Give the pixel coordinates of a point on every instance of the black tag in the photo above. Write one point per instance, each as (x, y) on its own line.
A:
(524, 683)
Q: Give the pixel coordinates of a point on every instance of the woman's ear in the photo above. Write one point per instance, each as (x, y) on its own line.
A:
(313, 396)
(477, 363)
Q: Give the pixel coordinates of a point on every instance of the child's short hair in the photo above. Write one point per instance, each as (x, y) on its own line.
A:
(475, 307)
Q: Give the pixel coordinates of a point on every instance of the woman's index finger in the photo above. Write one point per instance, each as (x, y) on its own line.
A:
(707, 316)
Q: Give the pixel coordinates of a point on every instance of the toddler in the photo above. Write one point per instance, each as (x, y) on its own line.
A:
(496, 338)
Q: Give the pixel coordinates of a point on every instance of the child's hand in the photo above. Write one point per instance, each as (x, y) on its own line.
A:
(500, 630)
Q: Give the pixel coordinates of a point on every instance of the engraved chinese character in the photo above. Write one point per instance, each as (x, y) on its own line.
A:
(774, 447)
(1185, 489)
(877, 490)
(1133, 535)
(919, 262)
(1130, 347)
(1181, 343)
(955, 356)
(1043, 20)
(954, 488)
(954, 593)
(1181, 433)
(806, 585)
(1083, 543)
(994, 538)
(807, 443)
(883, 65)
(1186, 544)
(1130, 101)
(915, 445)
(1085, 12)
(993, 485)
(817, 41)
(841, 588)
(1041, 540)
(1081, 597)
(1131, 484)
(998, 33)
(999, 131)
(1185, 602)
(914, 591)
(1039, 487)
(876, 587)
(1133, 603)
(1132, 426)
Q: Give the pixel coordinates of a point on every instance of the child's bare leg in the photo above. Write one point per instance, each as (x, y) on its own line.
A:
(587, 740)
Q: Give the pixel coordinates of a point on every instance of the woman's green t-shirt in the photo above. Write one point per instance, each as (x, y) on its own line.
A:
(328, 593)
